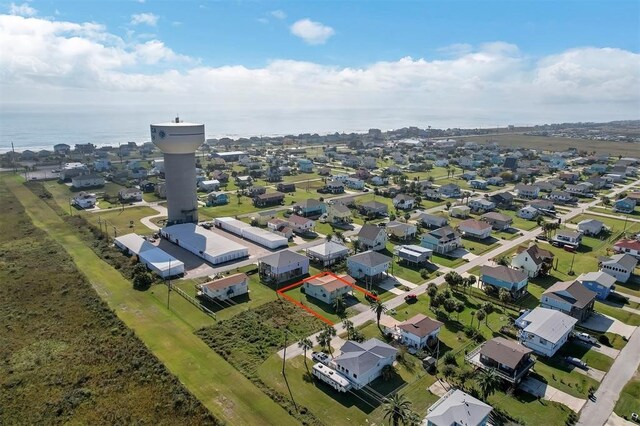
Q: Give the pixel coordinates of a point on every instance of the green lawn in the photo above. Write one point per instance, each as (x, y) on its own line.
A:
(591, 357)
(629, 401)
(557, 374)
(617, 313)
(447, 261)
(122, 218)
(479, 247)
(616, 225)
(518, 222)
(222, 389)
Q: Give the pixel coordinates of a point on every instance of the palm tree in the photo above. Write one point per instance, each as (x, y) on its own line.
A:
(480, 315)
(379, 308)
(339, 305)
(305, 344)
(488, 381)
(413, 419)
(397, 409)
(348, 325)
(329, 236)
(388, 371)
(325, 336)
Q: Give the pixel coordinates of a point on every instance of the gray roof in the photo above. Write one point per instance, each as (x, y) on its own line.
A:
(340, 208)
(459, 408)
(283, 258)
(329, 247)
(599, 277)
(571, 292)
(370, 258)
(446, 232)
(629, 262)
(359, 358)
(370, 232)
(420, 325)
(549, 324)
(309, 203)
(375, 205)
(504, 273)
(432, 218)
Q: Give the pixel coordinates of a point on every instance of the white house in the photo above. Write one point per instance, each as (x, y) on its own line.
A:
(328, 287)
(299, 224)
(226, 288)
(527, 191)
(482, 204)
(209, 185)
(620, 266)
(565, 237)
(631, 247)
(528, 212)
(130, 194)
(461, 212)
(85, 200)
(546, 330)
(371, 237)
(401, 230)
(418, 331)
(533, 260)
(591, 227)
(475, 229)
(283, 265)
(87, 181)
(457, 408)
(328, 253)
(404, 201)
(363, 362)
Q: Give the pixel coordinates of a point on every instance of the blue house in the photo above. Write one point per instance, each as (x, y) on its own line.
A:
(626, 205)
(598, 168)
(599, 282)
(557, 163)
(513, 280)
(478, 184)
(305, 165)
(310, 207)
(217, 199)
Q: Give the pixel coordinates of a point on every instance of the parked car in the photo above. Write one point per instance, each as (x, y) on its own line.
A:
(320, 357)
(577, 362)
(585, 337)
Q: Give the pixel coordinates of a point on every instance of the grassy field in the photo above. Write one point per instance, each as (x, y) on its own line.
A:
(559, 144)
(556, 373)
(66, 358)
(122, 220)
(629, 401)
(223, 390)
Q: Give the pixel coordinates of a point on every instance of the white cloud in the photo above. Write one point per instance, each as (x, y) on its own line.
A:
(144, 18)
(278, 14)
(312, 32)
(22, 10)
(263, 20)
(487, 84)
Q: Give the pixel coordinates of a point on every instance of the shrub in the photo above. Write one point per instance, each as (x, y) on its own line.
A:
(604, 340)
(450, 359)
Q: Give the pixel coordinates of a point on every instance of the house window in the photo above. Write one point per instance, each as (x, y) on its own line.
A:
(355, 376)
(542, 341)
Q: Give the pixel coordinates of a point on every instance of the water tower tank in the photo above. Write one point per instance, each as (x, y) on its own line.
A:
(179, 141)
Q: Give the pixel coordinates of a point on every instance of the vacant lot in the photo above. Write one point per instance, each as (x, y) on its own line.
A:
(65, 356)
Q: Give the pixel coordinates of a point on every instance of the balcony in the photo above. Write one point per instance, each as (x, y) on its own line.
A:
(514, 376)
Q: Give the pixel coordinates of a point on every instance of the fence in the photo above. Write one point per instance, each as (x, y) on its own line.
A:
(191, 300)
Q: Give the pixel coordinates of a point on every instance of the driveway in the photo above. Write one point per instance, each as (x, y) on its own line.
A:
(604, 350)
(603, 323)
(538, 388)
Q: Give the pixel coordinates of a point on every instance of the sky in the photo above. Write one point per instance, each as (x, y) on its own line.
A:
(487, 62)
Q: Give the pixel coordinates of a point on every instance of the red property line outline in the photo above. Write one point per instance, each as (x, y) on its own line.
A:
(282, 291)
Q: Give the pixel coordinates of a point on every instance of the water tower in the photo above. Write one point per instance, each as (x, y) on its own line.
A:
(179, 141)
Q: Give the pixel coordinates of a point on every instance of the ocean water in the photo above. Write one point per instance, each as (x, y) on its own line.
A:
(41, 127)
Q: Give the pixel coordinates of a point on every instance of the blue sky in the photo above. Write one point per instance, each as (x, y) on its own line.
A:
(466, 63)
(247, 33)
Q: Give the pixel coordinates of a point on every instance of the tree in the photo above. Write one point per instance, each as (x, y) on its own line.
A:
(388, 372)
(488, 381)
(397, 409)
(480, 315)
(504, 295)
(325, 336)
(305, 344)
(432, 290)
(339, 305)
(459, 308)
(379, 308)
(142, 281)
(487, 308)
(503, 260)
(348, 325)
(406, 216)
(449, 306)
(448, 371)
(453, 279)
(470, 281)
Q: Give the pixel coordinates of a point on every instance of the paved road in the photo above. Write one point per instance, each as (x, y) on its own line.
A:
(359, 319)
(597, 413)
